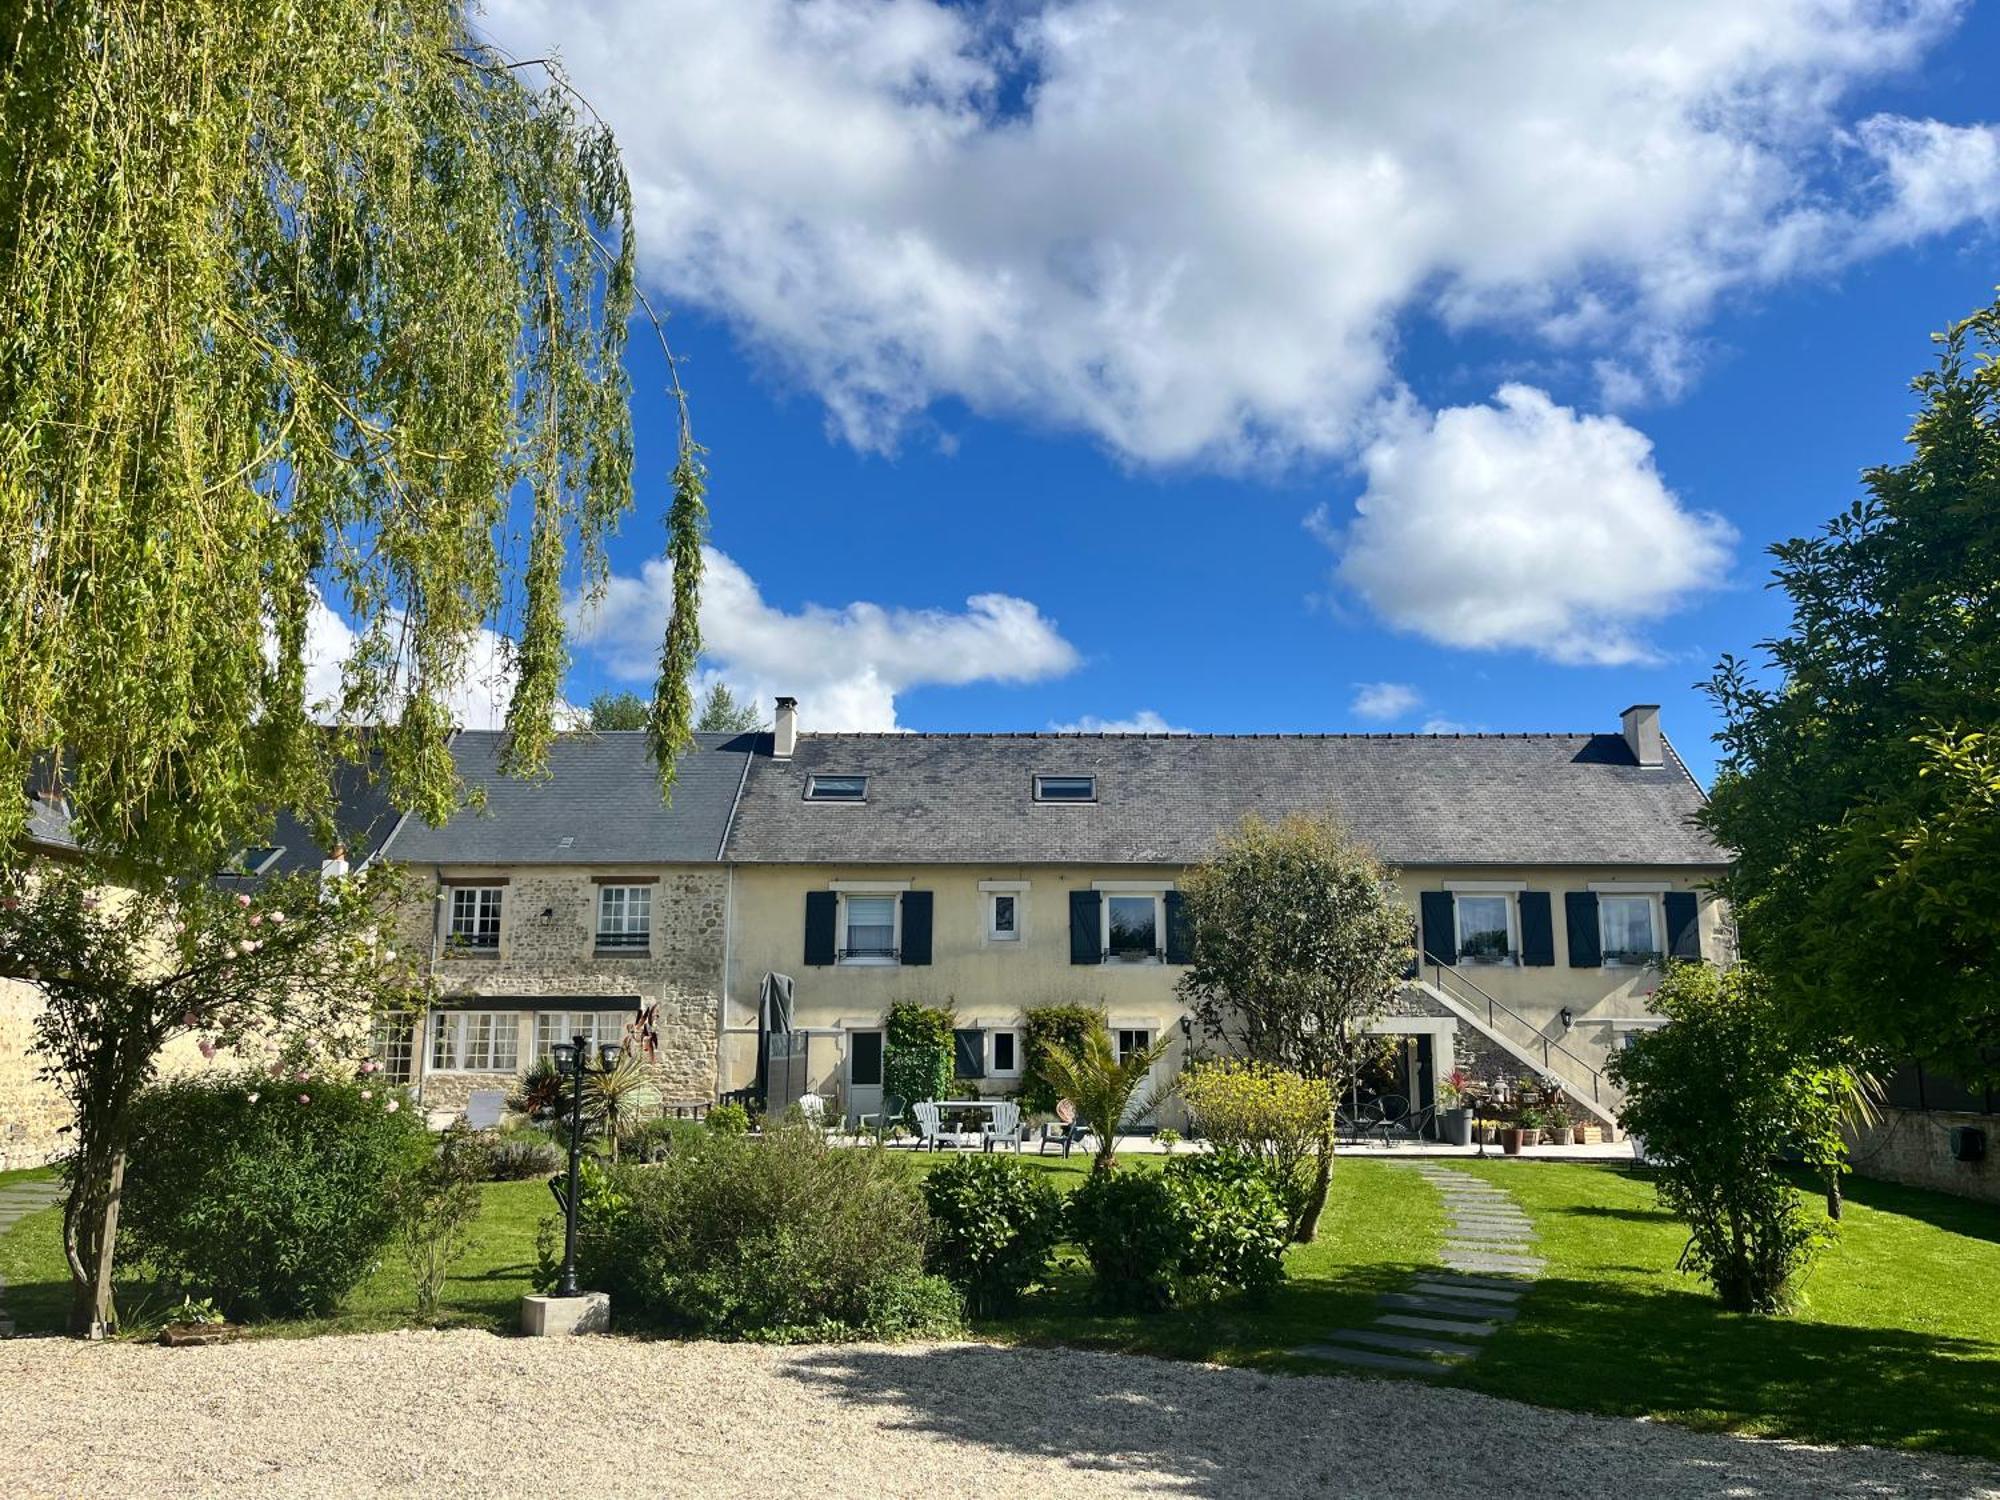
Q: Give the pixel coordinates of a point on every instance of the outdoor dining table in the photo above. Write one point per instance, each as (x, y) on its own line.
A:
(946, 1106)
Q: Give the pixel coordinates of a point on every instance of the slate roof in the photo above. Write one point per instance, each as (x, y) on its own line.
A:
(1537, 799)
(600, 804)
(363, 818)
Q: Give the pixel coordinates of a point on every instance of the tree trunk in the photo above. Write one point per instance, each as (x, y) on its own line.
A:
(103, 1312)
(1833, 1195)
(1308, 1229)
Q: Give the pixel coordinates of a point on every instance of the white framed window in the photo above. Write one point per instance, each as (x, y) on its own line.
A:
(1003, 1053)
(625, 917)
(392, 1042)
(1628, 927)
(1134, 922)
(476, 1041)
(598, 1028)
(1131, 1039)
(836, 789)
(1003, 916)
(1065, 788)
(473, 919)
(1487, 932)
(870, 927)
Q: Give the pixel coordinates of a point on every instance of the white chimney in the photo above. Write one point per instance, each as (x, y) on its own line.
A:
(785, 730)
(1642, 733)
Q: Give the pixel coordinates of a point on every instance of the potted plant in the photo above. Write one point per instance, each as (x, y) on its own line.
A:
(1528, 1120)
(195, 1323)
(1454, 1118)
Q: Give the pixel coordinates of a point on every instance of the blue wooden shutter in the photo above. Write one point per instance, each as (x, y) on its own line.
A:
(916, 927)
(1177, 934)
(1683, 925)
(1440, 927)
(822, 908)
(1538, 930)
(1086, 937)
(1586, 943)
(968, 1048)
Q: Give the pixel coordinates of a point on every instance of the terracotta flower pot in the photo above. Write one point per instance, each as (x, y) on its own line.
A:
(1513, 1138)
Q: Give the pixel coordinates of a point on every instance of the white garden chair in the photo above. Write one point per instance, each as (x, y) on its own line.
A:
(930, 1131)
(1005, 1126)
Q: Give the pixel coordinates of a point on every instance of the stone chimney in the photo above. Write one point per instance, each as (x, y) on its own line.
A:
(1642, 733)
(785, 730)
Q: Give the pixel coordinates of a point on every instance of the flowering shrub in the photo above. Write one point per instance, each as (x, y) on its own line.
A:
(1281, 1119)
(272, 1195)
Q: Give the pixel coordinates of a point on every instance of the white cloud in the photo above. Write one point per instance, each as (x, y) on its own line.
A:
(1192, 231)
(1935, 177)
(478, 700)
(1145, 721)
(1442, 726)
(1384, 700)
(1524, 524)
(845, 665)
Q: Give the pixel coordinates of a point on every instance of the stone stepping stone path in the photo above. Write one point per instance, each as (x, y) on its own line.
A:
(17, 1201)
(1440, 1321)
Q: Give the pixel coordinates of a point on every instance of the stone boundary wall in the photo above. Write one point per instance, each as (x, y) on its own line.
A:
(1913, 1147)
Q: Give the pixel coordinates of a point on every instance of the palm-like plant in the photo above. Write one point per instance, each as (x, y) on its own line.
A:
(1100, 1086)
(617, 1094)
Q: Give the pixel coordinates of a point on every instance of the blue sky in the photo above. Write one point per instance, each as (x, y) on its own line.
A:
(1161, 553)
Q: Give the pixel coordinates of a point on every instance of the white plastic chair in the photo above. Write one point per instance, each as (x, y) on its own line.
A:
(812, 1109)
(1004, 1126)
(484, 1108)
(930, 1133)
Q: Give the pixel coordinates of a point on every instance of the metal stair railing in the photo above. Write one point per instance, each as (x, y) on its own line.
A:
(1584, 1075)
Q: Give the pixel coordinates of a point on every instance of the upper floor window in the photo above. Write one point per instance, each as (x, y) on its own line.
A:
(624, 916)
(836, 789)
(1065, 788)
(1003, 916)
(474, 920)
(867, 928)
(1628, 926)
(1132, 928)
(1485, 928)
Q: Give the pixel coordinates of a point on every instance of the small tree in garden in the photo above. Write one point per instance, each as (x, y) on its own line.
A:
(1102, 1088)
(122, 974)
(1298, 941)
(436, 1201)
(1272, 1115)
(917, 1052)
(1719, 1094)
(1046, 1026)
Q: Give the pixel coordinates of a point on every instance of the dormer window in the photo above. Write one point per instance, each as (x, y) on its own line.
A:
(254, 861)
(836, 789)
(1065, 788)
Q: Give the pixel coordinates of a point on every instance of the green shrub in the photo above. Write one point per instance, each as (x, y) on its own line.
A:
(519, 1156)
(436, 1202)
(1237, 1226)
(917, 1052)
(1719, 1094)
(272, 1195)
(1277, 1116)
(1131, 1226)
(729, 1119)
(543, 1093)
(995, 1222)
(657, 1139)
(782, 1239)
(1064, 1025)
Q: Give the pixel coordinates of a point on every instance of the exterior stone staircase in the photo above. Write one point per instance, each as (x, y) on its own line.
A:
(1585, 1083)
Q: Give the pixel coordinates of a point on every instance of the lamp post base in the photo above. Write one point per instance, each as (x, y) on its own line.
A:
(556, 1317)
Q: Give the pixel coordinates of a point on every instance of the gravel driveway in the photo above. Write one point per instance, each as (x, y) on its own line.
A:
(449, 1414)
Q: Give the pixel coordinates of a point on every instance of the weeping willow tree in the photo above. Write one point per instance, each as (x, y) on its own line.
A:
(308, 305)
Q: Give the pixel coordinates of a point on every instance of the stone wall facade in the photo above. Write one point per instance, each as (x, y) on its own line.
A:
(32, 1115)
(548, 952)
(1914, 1147)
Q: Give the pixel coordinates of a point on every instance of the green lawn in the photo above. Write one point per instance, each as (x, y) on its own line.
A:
(1896, 1343)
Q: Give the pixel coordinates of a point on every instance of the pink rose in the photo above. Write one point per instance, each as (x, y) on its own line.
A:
(246, 947)
(242, 900)
(305, 1098)
(301, 1075)
(190, 1019)
(180, 926)
(256, 918)
(392, 1106)
(277, 919)
(249, 1098)
(206, 1047)
(368, 1093)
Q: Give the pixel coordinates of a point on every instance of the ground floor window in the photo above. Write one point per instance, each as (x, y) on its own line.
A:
(392, 1042)
(476, 1041)
(1006, 1054)
(1132, 1040)
(864, 1059)
(598, 1028)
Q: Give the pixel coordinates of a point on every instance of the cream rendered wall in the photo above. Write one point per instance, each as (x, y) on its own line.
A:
(991, 983)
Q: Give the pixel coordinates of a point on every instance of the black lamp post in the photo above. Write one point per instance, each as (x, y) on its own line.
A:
(573, 1057)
